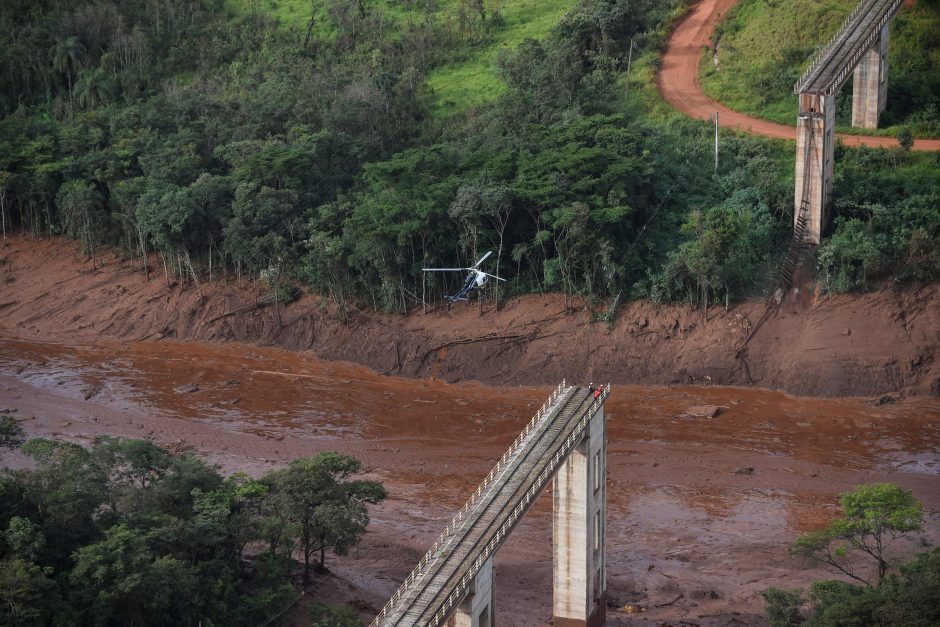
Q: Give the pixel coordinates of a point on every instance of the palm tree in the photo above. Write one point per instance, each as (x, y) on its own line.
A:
(66, 57)
(93, 87)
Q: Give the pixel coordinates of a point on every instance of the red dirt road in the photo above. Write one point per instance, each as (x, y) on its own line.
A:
(679, 84)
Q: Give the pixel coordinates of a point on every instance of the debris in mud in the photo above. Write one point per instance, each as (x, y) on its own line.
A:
(743, 470)
(702, 411)
(92, 392)
(633, 608)
(178, 447)
(887, 399)
(189, 388)
(667, 603)
(267, 434)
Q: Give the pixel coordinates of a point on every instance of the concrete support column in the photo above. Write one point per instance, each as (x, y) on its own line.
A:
(870, 84)
(815, 126)
(477, 609)
(579, 529)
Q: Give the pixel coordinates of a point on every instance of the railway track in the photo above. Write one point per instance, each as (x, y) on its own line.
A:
(443, 577)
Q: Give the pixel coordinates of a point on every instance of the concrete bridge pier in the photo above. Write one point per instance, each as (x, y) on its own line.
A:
(579, 528)
(815, 139)
(870, 83)
(476, 610)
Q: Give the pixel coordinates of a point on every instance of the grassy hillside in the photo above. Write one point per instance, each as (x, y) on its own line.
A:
(469, 76)
(763, 47)
(475, 80)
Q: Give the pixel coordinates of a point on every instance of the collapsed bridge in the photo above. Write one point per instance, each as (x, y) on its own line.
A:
(453, 582)
(859, 49)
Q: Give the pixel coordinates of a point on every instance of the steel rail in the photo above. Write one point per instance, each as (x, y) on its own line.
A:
(843, 37)
(491, 513)
(506, 521)
(824, 53)
(849, 66)
(468, 527)
(448, 534)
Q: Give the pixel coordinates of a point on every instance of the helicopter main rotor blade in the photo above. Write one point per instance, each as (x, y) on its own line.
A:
(494, 276)
(443, 269)
(482, 259)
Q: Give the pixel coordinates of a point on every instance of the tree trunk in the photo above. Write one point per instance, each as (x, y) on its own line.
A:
(499, 255)
(309, 31)
(306, 557)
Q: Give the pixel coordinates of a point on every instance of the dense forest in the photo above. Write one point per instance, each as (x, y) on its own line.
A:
(125, 533)
(221, 138)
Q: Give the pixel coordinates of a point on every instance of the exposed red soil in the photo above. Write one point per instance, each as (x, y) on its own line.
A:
(884, 342)
(678, 83)
(700, 510)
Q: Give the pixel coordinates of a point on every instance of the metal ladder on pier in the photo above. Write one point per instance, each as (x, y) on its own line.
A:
(798, 246)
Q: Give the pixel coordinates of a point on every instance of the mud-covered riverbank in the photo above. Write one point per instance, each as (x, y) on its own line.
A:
(885, 342)
(701, 510)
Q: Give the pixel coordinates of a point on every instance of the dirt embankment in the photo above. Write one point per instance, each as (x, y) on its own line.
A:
(880, 343)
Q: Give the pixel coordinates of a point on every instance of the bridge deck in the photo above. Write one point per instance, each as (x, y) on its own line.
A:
(834, 64)
(442, 579)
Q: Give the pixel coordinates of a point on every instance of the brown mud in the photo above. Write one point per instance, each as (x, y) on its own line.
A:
(701, 510)
(885, 342)
(679, 84)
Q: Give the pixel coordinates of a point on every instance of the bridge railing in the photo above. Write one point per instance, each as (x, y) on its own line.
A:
(857, 56)
(826, 50)
(460, 591)
(459, 517)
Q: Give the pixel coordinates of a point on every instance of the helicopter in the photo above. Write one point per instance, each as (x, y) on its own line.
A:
(476, 278)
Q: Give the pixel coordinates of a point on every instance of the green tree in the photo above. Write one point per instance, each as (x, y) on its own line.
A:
(120, 581)
(782, 607)
(329, 511)
(130, 468)
(24, 538)
(93, 87)
(6, 179)
(323, 615)
(873, 517)
(28, 595)
(80, 204)
(905, 138)
(11, 433)
(730, 245)
(66, 488)
(910, 598)
(67, 57)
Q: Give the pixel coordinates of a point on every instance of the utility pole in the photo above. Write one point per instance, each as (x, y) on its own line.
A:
(716, 142)
(630, 57)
